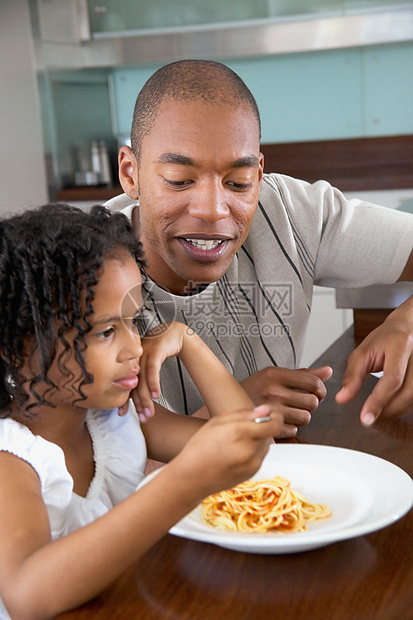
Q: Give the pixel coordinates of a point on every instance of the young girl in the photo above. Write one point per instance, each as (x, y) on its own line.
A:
(70, 353)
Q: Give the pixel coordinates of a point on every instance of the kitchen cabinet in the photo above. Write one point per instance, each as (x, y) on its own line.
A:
(113, 16)
(108, 16)
(77, 112)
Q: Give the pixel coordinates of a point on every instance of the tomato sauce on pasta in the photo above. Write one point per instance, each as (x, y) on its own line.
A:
(261, 506)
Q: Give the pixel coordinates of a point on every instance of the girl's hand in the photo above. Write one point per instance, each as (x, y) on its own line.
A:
(166, 340)
(228, 449)
(218, 388)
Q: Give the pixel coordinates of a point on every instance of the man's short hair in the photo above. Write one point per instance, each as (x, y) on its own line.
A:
(188, 81)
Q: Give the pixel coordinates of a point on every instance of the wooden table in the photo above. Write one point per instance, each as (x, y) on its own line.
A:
(367, 578)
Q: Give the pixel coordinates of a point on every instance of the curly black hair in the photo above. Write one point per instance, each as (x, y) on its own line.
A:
(48, 256)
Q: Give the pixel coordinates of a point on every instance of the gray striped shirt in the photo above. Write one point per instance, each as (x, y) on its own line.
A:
(256, 315)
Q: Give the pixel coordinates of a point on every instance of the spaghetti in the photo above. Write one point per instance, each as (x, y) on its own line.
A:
(261, 506)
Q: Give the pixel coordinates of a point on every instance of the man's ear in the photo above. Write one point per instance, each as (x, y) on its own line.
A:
(261, 168)
(128, 172)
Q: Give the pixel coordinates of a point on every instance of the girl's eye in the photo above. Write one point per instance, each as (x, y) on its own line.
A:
(106, 334)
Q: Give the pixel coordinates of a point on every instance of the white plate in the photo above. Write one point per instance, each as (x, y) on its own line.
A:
(365, 493)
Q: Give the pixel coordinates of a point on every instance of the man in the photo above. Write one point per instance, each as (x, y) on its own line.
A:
(235, 253)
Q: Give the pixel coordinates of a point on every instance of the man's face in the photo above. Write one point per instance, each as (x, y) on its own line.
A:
(198, 184)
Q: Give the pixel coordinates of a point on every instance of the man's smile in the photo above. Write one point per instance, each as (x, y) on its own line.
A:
(204, 250)
(204, 244)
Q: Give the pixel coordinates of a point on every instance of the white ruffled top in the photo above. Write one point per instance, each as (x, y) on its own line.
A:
(120, 458)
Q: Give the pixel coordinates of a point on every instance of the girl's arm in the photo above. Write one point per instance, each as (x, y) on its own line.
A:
(166, 433)
(40, 578)
(220, 391)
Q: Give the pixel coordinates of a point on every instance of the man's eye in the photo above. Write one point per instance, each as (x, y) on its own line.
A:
(240, 185)
(177, 183)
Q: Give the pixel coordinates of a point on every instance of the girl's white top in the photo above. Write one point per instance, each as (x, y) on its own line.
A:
(120, 458)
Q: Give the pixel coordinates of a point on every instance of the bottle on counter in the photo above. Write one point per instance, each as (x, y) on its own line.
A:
(96, 164)
(105, 171)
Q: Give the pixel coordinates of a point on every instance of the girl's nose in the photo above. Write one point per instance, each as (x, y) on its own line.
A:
(131, 344)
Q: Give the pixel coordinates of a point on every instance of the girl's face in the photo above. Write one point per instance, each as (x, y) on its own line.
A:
(113, 345)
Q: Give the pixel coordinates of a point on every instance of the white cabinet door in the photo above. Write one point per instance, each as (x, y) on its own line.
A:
(326, 324)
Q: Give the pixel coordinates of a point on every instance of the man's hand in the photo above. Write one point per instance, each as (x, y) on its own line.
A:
(388, 348)
(293, 393)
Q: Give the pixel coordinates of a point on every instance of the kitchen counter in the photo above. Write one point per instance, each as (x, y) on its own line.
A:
(98, 193)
